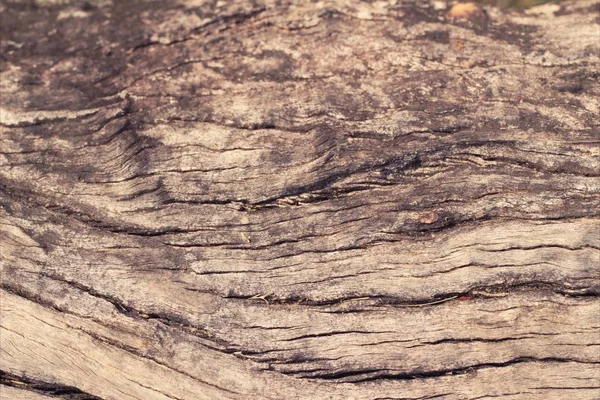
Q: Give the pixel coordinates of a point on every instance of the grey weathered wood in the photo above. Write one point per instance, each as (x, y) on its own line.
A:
(297, 200)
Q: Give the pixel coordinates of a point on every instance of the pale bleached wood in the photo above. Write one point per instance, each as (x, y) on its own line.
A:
(7, 392)
(75, 351)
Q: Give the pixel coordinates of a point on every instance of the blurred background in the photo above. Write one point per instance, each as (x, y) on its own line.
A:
(513, 3)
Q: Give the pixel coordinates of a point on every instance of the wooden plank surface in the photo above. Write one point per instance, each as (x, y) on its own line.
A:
(299, 200)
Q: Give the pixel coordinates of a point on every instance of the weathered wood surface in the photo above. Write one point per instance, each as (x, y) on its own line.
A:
(299, 200)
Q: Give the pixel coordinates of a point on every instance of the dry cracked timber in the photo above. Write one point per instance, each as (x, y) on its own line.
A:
(299, 200)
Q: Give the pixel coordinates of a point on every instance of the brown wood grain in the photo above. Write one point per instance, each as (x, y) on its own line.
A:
(299, 200)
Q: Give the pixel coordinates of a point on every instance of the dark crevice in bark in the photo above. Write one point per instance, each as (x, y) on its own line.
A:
(475, 293)
(544, 246)
(369, 375)
(482, 340)
(237, 18)
(333, 333)
(565, 387)
(57, 390)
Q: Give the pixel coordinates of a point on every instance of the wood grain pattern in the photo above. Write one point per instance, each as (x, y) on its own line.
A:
(299, 200)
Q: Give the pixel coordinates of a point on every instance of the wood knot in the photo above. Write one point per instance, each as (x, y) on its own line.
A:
(428, 218)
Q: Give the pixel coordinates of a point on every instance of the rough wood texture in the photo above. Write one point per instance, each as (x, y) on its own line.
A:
(299, 200)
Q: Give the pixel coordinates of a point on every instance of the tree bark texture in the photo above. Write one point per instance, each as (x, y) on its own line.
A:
(299, 200)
